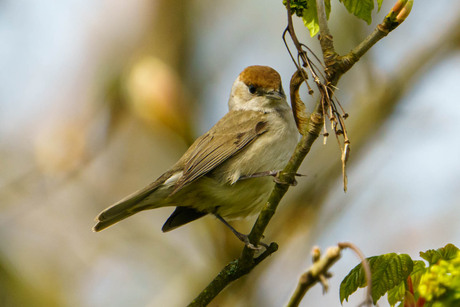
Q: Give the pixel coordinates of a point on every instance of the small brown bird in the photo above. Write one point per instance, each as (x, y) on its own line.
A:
(220, 173)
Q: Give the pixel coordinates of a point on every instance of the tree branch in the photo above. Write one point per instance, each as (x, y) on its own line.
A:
(395, 17)
(325, 38)
(287, 175)
(229, 273)
(316, 273)
(247, 262)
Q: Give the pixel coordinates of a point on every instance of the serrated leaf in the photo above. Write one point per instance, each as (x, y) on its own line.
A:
(447, 252)
(310, 18)
(397, 294)
(431, 255)
(354, 280)
(388, 271)
(360, 8)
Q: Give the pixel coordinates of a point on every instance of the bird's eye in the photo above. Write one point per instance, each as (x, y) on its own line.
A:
(252, 89)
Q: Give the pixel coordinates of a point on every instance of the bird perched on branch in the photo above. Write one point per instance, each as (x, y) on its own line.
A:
(225, 171)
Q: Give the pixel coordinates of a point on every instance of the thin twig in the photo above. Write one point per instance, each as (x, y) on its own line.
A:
(316, 273)
(290, 28)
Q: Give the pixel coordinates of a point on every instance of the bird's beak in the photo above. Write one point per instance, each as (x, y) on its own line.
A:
(275, 95)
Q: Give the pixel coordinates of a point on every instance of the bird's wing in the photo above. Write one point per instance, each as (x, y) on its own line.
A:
(230, 135)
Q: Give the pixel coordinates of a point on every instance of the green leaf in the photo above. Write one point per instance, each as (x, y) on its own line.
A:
(354, 280)
(379, 2)
(307, 10)
(431, 255)
(447, 252)
(387, 270)
(310, 18)
(360, 8)
(397, 294)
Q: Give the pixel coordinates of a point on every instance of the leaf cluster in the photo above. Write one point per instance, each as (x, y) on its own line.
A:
(306, 9)
(410, 282)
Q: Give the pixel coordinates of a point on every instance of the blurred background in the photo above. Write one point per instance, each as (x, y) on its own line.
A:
(99, 98)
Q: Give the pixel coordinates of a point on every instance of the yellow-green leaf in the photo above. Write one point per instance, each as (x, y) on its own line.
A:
(360, 8)
(388, 271)
(310, 18)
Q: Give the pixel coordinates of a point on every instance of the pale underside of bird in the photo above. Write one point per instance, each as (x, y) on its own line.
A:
(220, 173)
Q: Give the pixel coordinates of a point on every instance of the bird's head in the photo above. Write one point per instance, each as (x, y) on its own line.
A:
(258, 88)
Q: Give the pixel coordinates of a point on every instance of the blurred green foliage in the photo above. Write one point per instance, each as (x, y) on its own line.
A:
(408, 282)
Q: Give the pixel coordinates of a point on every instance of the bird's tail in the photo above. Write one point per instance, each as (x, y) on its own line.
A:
(126, 207)
(107, 218)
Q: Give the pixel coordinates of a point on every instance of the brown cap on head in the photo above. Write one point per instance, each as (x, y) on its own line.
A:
(261, 76)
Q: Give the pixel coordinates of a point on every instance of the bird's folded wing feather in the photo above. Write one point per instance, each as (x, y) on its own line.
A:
(229, 136)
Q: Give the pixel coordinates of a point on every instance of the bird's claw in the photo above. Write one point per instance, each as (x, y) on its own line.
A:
(274, 174)
(292, 182)
(245, 239)
(242, 237)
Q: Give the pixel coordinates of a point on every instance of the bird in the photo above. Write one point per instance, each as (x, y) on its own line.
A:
(226, 171)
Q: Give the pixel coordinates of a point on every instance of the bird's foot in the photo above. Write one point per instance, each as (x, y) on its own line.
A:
(290, 181)
(275, 175)
(242, 237)
(245, 239)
